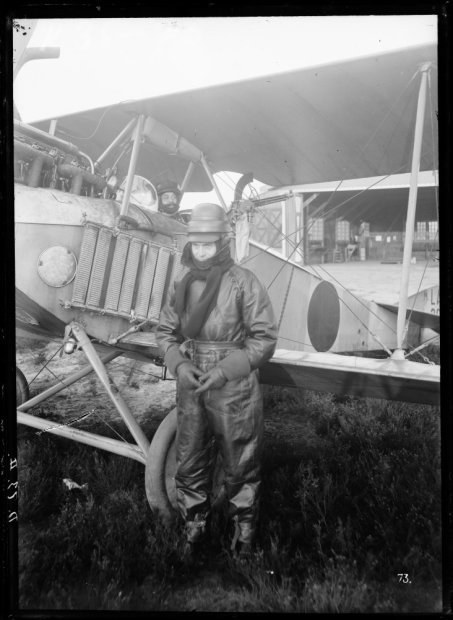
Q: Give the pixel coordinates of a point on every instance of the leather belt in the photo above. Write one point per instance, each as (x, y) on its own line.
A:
(213, 345)
(192, 347)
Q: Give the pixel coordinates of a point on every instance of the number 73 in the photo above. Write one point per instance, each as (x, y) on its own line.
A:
(403, 578)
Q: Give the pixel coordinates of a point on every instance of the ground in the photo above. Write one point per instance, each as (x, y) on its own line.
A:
(138, 382)
(317, 441)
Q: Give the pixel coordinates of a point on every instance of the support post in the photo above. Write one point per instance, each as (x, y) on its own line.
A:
(110, 387)
(187, 177)
(127, 129)
(132, 165)
(213, 181)
(122, 448)
(305, 231)
(410, 220)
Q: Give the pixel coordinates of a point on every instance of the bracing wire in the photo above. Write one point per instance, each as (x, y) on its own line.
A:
(343, 301)
(364, 304)
(373, 335)
(229, 181)
(387, 114)
(305, 344)
(348, 199)
(69, 423)
(285, 300)
(323, 206)
(331, 213)
(358, 299)
(340, 284)
(423, 345)
(93, 412)
(124, 366)
(314, 269)
(108, 425)
(45, 366)
(103, 115)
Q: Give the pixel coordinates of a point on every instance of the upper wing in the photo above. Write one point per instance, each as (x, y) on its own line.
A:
(343, 120)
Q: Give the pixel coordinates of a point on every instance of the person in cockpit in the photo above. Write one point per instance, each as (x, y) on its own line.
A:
(169, 197)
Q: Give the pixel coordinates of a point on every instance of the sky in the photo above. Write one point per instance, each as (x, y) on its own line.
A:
(108, 60)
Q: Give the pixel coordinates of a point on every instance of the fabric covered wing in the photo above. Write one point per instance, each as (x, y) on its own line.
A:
(336, 121)
(348, 375)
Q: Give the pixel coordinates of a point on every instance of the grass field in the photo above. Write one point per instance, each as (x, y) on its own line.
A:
(350, 519)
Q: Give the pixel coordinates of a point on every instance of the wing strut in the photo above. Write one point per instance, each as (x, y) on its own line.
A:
(186, 179)
(127, 129)
(410, 220)
(207, 169)
(132, 164)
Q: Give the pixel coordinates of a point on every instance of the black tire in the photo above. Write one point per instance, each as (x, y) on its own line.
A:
(22, 390)
(155, 470)
(161, 467)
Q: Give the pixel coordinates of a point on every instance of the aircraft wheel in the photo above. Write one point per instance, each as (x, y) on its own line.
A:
(22, 391)
(161, 468)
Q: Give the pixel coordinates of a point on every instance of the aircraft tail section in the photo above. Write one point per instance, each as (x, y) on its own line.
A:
(422, 308)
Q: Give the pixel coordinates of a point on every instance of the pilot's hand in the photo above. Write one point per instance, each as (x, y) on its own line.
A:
(187, 375)
(214, 379)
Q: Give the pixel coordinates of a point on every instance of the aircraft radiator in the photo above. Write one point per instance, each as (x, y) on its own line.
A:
(121, 275)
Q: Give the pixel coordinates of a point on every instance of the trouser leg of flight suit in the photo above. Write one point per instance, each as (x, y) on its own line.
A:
(234, 415)
(194, 462)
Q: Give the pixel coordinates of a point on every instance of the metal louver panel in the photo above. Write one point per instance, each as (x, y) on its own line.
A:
(159, 284)
(122, 275)
(116, 273)
(130, 274)
(98, 271)
(146, 281)
(84, 267)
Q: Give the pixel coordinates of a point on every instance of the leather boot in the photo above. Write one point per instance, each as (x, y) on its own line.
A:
(196, 530)
(195, 536)
(244, 534)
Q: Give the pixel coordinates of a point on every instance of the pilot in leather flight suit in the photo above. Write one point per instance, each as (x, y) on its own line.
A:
(223, 315)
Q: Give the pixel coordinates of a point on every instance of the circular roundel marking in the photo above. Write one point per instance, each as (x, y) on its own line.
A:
(57, 266)
(323, 318)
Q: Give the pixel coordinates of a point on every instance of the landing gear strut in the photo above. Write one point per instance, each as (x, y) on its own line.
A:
(159, 457)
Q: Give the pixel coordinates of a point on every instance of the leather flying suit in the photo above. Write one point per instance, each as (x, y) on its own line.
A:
(239, 335)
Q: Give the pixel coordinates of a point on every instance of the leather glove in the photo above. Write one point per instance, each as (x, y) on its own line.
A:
(187, 374)
(214, 379)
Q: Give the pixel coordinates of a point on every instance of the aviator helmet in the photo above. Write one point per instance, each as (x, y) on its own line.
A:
(208, 223)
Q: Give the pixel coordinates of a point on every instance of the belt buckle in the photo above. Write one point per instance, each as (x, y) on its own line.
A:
(187, 348)
(213, 356)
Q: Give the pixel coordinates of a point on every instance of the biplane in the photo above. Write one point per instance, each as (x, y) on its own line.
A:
(353, 141)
